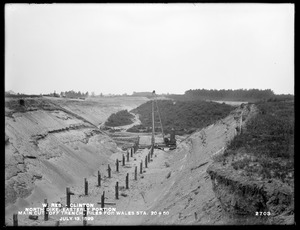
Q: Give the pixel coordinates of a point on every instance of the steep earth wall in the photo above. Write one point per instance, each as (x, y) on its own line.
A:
(244, 196)
(46, 150)
(187, 195)
(241, 195)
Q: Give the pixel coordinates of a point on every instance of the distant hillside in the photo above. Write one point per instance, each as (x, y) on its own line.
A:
(251, 95)
(20, 95)
(185, 117)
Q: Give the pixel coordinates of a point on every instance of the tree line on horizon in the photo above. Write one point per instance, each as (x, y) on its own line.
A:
(239, 94)
(74, 94)
(249, 95)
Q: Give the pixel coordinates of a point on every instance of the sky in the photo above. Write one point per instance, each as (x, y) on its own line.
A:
(169, 48)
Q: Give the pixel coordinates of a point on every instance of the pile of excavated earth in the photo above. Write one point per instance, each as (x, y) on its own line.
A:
(52, 144)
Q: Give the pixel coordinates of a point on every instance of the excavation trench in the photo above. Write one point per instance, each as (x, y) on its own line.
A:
(173, 189)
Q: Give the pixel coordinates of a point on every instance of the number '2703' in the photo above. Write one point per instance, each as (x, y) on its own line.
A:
(262, 213)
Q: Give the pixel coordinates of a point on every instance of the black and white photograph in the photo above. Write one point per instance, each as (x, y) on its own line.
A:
(136, 114)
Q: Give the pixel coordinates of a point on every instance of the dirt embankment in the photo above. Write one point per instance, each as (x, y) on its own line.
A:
(97, 110)
(243, 196)
(187, 193)
(47, 149)
(249, 199)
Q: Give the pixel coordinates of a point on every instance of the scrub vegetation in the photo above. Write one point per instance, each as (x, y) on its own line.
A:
(183, 116)
(120, 118)
(266, 146)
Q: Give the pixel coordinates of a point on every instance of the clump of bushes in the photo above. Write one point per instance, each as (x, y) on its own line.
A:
(269, 137)
(241, 164)
(120, 118)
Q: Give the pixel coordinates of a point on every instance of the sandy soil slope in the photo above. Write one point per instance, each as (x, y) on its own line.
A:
(48, 147)
(175, 185)
(97, 110)
(188, 195)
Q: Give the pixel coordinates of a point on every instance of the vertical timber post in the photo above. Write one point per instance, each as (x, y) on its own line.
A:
(99, 179)
(127, 156)
(153, 127)
(146, 166)
(15, 219)
(117, 190)
(68, 197)
(109, 171)
(86, 187)
(102, 199)
(127, 181)
(135, 173)
(141, 167)
(117, 165)
(46, 210)
(123, 160)
(131, 152)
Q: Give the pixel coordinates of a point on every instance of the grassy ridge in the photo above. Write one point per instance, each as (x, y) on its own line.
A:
(120, 118)
(183, 116)
(253, 95)
(266, 147)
